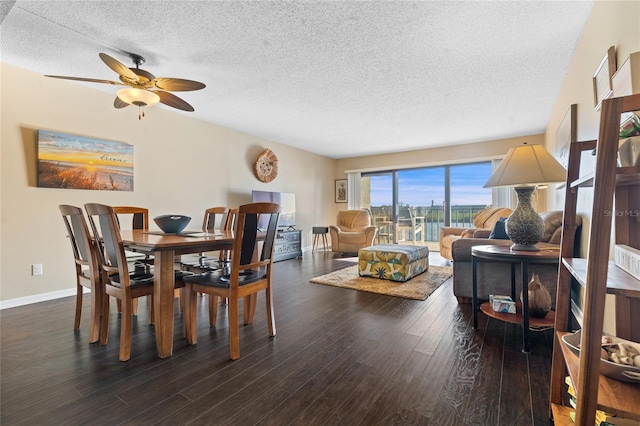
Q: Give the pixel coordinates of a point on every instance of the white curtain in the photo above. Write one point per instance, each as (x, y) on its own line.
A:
(503, 197)
(353, 190)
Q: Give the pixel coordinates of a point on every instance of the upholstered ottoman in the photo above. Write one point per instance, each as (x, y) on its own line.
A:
(393, 261)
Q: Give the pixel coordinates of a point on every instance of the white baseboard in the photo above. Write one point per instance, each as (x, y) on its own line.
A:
(36, 298)
(21, 301)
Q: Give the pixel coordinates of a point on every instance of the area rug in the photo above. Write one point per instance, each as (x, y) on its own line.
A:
(418, 288)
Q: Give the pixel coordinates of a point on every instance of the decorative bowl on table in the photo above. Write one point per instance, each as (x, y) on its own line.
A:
(172, 223)
(610, 344)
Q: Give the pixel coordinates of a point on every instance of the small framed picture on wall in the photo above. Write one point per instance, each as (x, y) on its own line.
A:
(341, 190)
(602, 79)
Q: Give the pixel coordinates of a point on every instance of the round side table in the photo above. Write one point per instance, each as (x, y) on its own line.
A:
(320, 231)
(489, 253)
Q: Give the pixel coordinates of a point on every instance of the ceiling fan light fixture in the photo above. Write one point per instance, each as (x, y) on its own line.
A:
(138, 97)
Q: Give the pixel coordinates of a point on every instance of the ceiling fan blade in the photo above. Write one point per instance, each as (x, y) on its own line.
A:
(119, 68)
(175, 84)
(119, 103)
(89, 80)
(173, 101)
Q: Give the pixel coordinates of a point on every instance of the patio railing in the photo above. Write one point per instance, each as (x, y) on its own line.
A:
(461, 216)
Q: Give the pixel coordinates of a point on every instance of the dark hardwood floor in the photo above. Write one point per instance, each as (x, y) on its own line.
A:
(340, 357)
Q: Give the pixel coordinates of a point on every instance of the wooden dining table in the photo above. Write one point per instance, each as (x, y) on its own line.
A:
(165, 248)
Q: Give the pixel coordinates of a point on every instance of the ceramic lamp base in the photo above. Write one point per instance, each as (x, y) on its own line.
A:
(525, 227)
(525, 247)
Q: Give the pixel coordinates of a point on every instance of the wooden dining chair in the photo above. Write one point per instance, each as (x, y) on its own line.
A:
(139, 217)
(118, 281)
(250, 273)
(87, 269)
(215, 219)
(229, 223)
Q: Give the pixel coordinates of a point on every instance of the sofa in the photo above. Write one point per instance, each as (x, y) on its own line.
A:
(353, 231)
(495, 277)
(484, 220)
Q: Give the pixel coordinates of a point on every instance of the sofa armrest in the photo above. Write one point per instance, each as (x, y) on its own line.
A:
(448, 230)
(468, 233)
(334, 231)
(481, 233)
(370, 234)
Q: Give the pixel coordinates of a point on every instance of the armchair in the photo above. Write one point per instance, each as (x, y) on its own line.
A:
(484, 220)
(353, 231)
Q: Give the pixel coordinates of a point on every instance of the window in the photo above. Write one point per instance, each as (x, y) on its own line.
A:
(418, 202)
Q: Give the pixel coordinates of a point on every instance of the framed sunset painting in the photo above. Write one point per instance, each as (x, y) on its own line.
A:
(78, 162)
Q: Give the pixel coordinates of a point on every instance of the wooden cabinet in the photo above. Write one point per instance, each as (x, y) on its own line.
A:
(597, 276)
(288, 245)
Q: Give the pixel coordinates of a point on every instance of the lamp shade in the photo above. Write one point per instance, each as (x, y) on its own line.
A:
(138, 97)
(527, 165)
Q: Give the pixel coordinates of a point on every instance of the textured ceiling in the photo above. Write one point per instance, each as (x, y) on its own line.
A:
(340, 79)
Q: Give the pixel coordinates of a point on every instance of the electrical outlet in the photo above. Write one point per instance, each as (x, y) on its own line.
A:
(36, 269)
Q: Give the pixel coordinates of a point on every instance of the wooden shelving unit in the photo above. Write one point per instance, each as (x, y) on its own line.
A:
(597, 275)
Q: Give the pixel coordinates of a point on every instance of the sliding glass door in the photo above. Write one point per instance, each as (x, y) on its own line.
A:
(419, 192)
(411, 205)
(378, 196)
(467, 195)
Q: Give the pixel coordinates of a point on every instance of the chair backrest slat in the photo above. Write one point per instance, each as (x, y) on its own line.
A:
(230, 220)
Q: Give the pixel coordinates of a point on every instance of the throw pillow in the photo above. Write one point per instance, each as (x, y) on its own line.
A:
(499, 231)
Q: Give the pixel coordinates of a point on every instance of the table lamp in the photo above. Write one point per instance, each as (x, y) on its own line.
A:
(524, 167)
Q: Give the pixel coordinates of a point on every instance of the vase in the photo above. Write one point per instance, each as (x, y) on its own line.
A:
(525, 227)
(539, 298)
(629, 152)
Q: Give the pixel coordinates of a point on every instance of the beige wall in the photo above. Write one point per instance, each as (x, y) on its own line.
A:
(434, 156)
(182, 165)
(611, 23)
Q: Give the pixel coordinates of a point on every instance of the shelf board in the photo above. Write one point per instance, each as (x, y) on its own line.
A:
(561, 415)
(614, 396)
(548, 321)
(624, 176)
(618, 281)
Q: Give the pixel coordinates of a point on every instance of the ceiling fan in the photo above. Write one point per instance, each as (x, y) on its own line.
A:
(144, 89)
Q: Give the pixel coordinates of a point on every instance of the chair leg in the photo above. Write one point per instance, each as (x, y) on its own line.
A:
(234, 339)
(96, 308)
(79, 294)
(190, 317)
(134, 307)
(179, 293)
(250, 308)
(150, 307)
(104, 332)
(213, 310)
(271, 321)
(125, 330)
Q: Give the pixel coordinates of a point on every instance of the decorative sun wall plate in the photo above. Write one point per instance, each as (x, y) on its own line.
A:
(266, 166)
